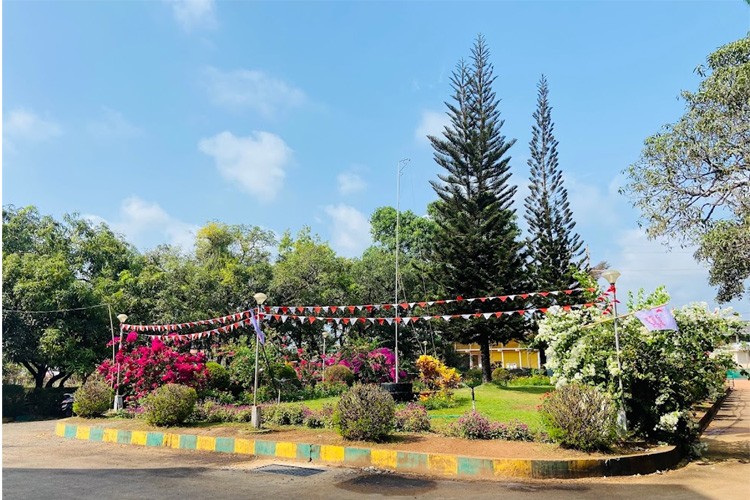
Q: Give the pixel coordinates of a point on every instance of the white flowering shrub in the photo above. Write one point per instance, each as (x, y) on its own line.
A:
(665, 373)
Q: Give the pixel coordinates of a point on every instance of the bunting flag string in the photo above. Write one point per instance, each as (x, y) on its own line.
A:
(405, 320)
(191, 324)
(308, 320)
(199, 335)
(287, 310)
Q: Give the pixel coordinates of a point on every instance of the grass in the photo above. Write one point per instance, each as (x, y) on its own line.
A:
(502, 404)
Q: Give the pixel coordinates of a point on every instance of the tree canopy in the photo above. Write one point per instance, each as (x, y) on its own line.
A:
(692, 181)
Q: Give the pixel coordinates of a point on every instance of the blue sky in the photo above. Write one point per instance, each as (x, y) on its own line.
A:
(160, 116)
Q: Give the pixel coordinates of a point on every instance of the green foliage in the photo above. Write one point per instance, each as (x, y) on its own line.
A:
(365, 412)
(691, 180)
(218, 376)
(501, 376)
(93, 398)
(472, 378)
(663, 372)
(14, 397)
(412, 418)
(474, 425)
(45, 401)
(438, 400)
(533, 380)
(50, 265)
(553, 246)
(477, 247)
(169, 404)
(339, 374)
(580, 416)
(286, 414)
(320, 418)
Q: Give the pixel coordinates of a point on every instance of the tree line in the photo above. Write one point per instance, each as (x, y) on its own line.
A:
(469, 243)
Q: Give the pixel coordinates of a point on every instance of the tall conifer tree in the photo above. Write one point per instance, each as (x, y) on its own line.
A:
(477, 247)
(554, 248)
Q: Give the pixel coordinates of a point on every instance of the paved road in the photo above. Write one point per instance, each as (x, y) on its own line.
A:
(39, 465)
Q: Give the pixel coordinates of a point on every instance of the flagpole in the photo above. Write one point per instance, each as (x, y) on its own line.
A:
(399, 170)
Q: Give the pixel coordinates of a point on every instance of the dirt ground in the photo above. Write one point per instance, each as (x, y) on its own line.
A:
(427, 442)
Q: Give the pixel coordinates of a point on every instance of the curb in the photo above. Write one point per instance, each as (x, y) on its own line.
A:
(398, 461)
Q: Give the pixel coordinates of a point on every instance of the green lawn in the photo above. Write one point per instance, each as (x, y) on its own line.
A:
(497, 403)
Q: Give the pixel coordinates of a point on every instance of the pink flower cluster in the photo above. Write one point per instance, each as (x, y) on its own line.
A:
(144, 368)
(374, 366)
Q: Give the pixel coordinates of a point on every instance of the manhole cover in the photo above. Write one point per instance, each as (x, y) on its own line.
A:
(289, 470)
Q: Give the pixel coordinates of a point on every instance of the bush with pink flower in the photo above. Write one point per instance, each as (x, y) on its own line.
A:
(143, 368)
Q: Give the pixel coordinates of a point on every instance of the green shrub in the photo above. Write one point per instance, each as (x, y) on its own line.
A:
(14, 397)
(287, 414)
(339, 374)
(474, 425)
(94, 398)
(46, 401)
(412, 418)
(317, 419)
(439, 400)
(170, 404)
(218, 376)
(533, 380)
(223, 397)
(365, 412)
(579, 416)
(501, 376)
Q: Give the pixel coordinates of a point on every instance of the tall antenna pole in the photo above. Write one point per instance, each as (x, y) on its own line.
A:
(399, 169)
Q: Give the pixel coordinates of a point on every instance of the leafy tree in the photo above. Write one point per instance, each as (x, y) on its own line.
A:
(554, 248)
(692, 181)
(476, 248)
(308, 272)
(51, 265)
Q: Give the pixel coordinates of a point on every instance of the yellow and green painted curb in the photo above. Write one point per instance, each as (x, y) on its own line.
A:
(399, 461)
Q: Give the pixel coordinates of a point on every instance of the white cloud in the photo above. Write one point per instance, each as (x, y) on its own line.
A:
(592, 205)
(194, 14)
(252, 89)
(431, 123)
(350, 229)
(24, 125)
(350, 183)
(112, 125)
(256, 163)
(146, 223)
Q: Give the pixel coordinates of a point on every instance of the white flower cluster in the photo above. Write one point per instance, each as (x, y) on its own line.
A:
(668, 422)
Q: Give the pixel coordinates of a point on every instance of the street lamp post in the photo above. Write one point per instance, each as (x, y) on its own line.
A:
(260, 298)
(118, 397)
(611, 276)
(323, 358)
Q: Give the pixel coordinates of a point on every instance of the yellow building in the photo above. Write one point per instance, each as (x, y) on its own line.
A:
(509, 355)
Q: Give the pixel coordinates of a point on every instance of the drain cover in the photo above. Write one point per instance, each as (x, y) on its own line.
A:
(289, 470)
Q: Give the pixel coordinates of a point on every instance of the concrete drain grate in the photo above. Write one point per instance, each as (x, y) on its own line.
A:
(289, 470)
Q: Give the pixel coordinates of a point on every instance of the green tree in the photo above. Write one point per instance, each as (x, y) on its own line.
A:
(50, 265)
(692, 181)
(476, 250)
(554, 248)
(308, 272)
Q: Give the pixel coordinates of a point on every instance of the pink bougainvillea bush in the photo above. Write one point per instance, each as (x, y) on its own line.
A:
(143, 368)
(368, 366)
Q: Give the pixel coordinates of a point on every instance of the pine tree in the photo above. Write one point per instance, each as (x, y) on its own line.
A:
(554, 248)
(477, 247)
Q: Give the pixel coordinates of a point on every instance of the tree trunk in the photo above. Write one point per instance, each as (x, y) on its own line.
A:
(38, 372)
(55, 378)
(484, 345)
(65, 379)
